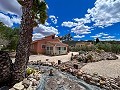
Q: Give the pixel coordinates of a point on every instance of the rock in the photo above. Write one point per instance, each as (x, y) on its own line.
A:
(35, 83)
(79, 73)
(102, 82)
(18, 86)
(114, 86)
(26, 83)
(102, 78)
(12, 89)
(5, 67)
(87, 78)
(30, 88)
(118, 83)
(95, 74)
(96, 79)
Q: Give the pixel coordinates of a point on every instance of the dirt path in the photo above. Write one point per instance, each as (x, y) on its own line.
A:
(55, 59)
(109, 68)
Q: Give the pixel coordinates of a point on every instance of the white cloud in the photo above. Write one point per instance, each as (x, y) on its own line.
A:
(105, 13)
(81, 29)
(53, 19)
(43, 30)
(103, 36)
(5, 19)
(100, 35)
(109, 37)
(69, 24)
(78, 36)
(9, 21)
(37, 36)
(8, 6)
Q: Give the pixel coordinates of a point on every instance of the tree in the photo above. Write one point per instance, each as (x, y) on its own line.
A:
(34, 12)
(8, 37)
(66, 37)
(97, 40)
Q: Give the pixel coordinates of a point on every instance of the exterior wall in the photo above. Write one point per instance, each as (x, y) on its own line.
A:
(83, 44)
(38, 46)
(56, 51)
(34, 48)
(61, 51)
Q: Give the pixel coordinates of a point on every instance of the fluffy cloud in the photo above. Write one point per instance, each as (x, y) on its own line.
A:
(9, 6)
(78, 36)
(105, 13)
(43, 30)
(69, 24)
(9, 21)
(103, 36)
(109, 37)
(53, 19)
(81, 29)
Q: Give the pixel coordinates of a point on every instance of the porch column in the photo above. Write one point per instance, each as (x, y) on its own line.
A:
(54, 50)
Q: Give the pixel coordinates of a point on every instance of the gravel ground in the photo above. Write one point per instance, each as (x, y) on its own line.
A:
(63, 58)
(55, 59)
(107, 68)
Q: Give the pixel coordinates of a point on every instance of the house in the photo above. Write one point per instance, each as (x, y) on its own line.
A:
(81, 44)
(49, 45)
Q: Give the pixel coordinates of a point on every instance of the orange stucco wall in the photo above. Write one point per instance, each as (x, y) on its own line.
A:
(38, 44)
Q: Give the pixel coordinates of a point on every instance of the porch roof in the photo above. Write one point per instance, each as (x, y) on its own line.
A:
(57, 43)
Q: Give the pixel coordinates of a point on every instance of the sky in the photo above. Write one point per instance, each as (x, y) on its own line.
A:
(83, 19)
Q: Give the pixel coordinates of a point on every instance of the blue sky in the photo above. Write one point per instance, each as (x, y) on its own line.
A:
(84, 19)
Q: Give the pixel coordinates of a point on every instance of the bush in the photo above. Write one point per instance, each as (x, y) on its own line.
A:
(29, 71)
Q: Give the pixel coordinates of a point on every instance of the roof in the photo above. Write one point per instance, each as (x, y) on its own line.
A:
(43, 38)
(57, 43)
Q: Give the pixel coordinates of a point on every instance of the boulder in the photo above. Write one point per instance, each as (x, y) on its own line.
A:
(18, 86)
(26, 83)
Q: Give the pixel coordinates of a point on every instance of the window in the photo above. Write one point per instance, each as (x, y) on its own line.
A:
(51, 48)
(64, 48)
(53, 37)
(43, 46)
(58, 48)
(47, 48)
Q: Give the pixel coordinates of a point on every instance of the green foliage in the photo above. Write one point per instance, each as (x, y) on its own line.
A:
(39, 11)
(10, 35)
(89, 58)
(66, 37)
(82, 48)
(29, 71)
(107, 47)
(97, 40)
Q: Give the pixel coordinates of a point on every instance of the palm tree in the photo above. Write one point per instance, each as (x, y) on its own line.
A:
(34, 12)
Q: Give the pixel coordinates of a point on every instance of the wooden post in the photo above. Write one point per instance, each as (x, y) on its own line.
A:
(59, 62)
(75, 66)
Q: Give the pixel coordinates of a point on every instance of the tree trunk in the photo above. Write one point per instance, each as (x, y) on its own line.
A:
(25, 39)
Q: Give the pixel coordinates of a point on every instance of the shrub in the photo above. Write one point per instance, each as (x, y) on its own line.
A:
(29, 71)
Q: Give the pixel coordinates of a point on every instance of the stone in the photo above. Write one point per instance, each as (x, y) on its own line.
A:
(18, 86)
(26, 83)
(114, 86)
(35, 83)
(12, 89)
(96, 79)
(102, 82)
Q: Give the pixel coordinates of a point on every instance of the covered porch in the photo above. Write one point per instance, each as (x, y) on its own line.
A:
(56, 48)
